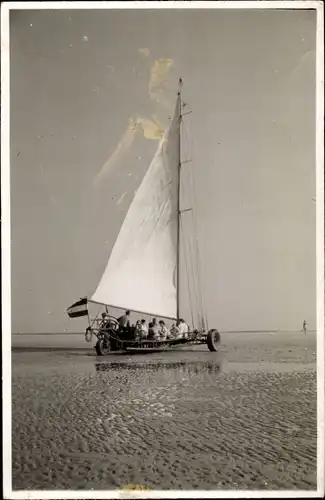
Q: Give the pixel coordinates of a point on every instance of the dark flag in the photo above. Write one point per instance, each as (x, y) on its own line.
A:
(78, 309)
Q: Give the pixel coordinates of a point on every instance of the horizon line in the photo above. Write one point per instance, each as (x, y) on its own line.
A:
(221, 331)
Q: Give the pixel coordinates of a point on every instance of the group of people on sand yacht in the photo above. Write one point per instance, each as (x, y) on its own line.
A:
(159, 331)
(155, 330)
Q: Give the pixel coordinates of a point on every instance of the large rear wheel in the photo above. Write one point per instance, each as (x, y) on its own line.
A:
(213, 340)
(103, 346)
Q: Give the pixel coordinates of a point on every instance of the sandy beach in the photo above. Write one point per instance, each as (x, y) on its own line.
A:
(242, 418)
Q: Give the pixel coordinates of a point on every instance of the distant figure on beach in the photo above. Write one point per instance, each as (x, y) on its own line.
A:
(304, 327)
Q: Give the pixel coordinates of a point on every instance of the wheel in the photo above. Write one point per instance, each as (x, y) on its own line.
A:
(103, 346)
(213, 340)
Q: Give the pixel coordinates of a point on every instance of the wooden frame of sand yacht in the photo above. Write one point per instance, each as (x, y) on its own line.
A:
(111, 339)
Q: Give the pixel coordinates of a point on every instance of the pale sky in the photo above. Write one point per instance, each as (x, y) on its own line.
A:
(77, 77)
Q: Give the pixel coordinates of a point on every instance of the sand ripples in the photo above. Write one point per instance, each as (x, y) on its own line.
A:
(166, 428)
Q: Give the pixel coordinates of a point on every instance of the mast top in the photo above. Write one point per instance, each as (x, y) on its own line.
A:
(180, 83)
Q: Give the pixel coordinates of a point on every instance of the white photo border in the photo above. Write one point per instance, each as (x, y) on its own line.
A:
(6, 256)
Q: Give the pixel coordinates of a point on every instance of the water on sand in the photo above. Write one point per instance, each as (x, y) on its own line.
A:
(241, 418)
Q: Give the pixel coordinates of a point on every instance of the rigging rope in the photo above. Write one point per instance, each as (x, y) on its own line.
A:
(187, 243)
(194, 275)
(187, 274)
(192, 177)
(194, 246)
(198, 270)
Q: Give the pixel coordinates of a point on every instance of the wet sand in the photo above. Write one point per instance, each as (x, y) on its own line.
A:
(242, 418)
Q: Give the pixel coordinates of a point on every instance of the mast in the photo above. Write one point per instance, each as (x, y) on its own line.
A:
(180, 82)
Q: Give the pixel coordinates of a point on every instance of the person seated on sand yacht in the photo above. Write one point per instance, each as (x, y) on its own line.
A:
(124, 321)
(108, 322)
(180, 329)
(152, 323)
(125, 328)
(183, 328)
(141, 329)
(103, 322)
(138, 330)
(169, 335)
(112, 323)
(175, 332)
(153, 330)
(144, 329)
(163, 330)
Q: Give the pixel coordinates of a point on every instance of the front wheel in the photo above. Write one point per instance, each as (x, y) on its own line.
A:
(103, 346)
(213, 340)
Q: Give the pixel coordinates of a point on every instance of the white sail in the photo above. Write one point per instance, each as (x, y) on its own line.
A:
(141, 270)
